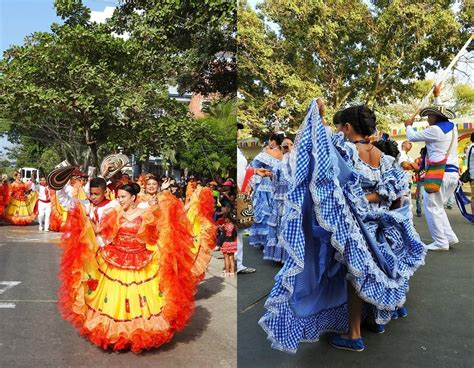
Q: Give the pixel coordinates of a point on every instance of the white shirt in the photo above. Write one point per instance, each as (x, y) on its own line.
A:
(42, 196)
(241, 167)
(94, 213)
(437, 142)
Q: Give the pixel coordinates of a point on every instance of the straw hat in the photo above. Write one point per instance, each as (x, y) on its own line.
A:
(112, 164)
(438, 110)
(59, 177)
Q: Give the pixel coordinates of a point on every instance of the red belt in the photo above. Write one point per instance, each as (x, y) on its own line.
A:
(48, 201)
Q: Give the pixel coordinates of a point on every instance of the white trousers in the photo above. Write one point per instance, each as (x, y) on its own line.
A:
(436, 217)
(240, 250)
(44, 213)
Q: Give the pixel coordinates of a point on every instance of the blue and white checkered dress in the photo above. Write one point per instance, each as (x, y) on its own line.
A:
(261, 199)
(273, 250)
(333, 236)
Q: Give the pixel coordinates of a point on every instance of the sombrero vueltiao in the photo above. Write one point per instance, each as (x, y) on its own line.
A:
(112, 164)
(438, 110)
(59, 177)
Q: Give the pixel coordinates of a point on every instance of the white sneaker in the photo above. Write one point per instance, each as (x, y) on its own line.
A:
(40, 228)
(453, 241)
(433, 246)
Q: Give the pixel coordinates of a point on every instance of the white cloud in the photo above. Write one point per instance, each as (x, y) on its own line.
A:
(102, 16)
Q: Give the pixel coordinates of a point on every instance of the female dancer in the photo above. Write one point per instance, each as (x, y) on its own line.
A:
(262, 189)
(125, 271)
(349, 254)
(151, 191)
(4, 194)
(273, 250)
(199, 211)
(22, 208)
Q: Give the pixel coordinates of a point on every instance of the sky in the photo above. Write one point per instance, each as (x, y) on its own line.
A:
(20, 18)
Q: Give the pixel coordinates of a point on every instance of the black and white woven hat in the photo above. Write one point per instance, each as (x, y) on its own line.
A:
(438, 110)
(112, 164)
(59, 177)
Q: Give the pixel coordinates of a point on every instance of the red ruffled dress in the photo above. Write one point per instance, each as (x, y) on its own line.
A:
(4, 196)
(229, 246)
(138, 290)
(22, 208)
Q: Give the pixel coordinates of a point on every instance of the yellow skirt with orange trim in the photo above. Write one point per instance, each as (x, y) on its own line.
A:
(201, 208)
(22, 212)
(117, 308)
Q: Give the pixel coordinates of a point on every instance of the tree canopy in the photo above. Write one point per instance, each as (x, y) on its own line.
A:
(346, 52)
(81, 91)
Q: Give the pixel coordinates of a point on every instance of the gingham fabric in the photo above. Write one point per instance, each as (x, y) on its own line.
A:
(261, 200)
(378, 266)
(273, 250)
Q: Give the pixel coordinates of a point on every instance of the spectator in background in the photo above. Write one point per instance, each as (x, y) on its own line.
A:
(419, 178)
(470, 167)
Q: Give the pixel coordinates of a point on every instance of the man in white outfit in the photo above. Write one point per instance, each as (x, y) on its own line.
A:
(440, 136)
(44, 204)
(241, 169)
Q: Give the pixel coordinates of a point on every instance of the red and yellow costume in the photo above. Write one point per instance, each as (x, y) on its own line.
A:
(4, 196)
(58, 213)
(200, 211)
(190, 188)
(22, 208)
(135, 292)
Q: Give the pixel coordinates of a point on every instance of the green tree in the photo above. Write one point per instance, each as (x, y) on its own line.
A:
(214, 152)
(194, 40)
(465, 99)
(354, 52)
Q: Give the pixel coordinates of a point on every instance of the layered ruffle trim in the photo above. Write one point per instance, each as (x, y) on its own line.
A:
(332, 206)
(207, 235)
(177, 283)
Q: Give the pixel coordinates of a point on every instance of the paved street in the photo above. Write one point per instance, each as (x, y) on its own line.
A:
(32, 334)
(436, 333)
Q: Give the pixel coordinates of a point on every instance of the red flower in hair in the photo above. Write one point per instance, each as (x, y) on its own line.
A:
(92, 284)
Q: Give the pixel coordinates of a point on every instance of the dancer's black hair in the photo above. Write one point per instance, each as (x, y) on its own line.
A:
(98, 183)
(361, 118)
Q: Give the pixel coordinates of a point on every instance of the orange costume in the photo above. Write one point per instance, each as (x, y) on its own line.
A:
(58, 213)
(22, 208)
(4, 196)
(138, 289)
(199, 212)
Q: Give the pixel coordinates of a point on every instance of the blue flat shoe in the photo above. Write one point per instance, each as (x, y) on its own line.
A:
(375, 327)
(402, 312)
(347, 344)
(395, 314)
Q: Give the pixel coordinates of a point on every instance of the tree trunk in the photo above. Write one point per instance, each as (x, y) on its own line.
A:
(92, 147)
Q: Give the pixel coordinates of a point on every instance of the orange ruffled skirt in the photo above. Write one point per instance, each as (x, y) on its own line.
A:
(118, 308)
(200, 211)
(58, 214)
(22, 211)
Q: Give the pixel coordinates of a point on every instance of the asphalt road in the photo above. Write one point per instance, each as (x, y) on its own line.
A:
(32, 333)
(438, 331)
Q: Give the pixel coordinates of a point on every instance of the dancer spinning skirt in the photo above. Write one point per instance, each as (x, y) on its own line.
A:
(199, 212)
(126, 280)
(22, 207)
(337, 241)
(58, 214)
(261, 199)
(273, 250)
(4, 194)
